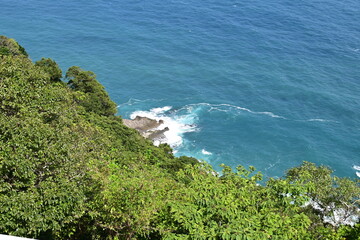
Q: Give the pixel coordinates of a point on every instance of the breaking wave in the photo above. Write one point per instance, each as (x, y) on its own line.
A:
(178, 124)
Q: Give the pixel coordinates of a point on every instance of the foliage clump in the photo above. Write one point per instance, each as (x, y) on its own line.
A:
(9, 46)
(50, 67)
(69, 169)
(93, 96)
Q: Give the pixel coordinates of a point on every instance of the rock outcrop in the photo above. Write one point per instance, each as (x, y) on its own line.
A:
(147, 127)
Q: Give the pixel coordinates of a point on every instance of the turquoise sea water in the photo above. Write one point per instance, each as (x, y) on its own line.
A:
(263, 83)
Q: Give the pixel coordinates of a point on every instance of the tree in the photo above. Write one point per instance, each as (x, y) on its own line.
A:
(50, 67)
(41, 180)
(232, 206)
(94, 98)
(332, 199)
(9, 46)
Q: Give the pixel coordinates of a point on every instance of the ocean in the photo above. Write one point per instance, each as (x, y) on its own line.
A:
(262, 83)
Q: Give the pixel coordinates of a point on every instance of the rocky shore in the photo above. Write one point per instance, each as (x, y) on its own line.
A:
(148, 128)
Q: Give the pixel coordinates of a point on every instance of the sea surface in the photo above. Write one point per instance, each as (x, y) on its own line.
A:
(262, 83)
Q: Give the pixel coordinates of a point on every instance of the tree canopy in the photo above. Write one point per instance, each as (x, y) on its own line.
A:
(50, 67)
(94, 97)
(9, 46)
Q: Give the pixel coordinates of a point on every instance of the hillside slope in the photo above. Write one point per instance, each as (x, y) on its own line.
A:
(70, 169)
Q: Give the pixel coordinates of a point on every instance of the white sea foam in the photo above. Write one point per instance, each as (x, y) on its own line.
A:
(319, 120)
(224, 107)
(130, 102)
(133, 101)
(270, 114)
(161, 109)
(203, 151)
(218, 109)
(356, 167)
(178, 124)
(183, 120)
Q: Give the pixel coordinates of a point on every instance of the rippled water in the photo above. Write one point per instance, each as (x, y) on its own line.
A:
(260, 83)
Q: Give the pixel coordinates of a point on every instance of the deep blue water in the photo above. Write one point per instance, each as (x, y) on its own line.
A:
(263, 83)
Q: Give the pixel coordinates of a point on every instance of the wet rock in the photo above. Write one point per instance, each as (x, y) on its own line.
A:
(147, 127)
(142, 124)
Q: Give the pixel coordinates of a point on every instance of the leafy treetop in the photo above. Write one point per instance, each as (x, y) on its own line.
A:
(9, 46)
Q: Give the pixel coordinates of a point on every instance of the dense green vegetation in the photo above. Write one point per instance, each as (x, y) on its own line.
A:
(69, 169)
